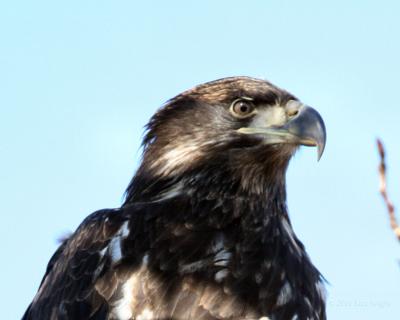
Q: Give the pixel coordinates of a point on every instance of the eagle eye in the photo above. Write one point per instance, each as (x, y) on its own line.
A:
(241, 108)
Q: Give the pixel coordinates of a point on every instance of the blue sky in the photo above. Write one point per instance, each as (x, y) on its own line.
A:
(79, 80)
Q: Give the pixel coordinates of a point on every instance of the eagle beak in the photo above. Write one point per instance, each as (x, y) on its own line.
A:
(305, 127)
(309, 128)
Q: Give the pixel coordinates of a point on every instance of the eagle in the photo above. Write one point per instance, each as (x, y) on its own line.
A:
(203, 231)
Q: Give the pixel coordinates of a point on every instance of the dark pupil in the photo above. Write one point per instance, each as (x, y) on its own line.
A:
(244, 107)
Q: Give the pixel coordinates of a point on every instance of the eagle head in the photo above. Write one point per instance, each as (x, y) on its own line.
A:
(245, 127)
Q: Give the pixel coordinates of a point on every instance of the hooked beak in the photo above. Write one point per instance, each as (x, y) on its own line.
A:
(306, 128)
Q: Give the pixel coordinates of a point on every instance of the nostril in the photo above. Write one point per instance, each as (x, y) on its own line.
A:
(293, 112)
(293, 108)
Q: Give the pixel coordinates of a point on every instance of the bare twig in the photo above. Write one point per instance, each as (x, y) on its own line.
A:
(383, 190)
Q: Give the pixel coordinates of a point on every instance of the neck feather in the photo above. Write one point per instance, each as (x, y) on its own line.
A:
(244, 204)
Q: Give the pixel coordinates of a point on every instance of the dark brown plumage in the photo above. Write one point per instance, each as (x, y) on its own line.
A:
(204, 232)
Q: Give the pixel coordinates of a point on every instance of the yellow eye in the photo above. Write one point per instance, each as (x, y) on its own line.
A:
(242, 108)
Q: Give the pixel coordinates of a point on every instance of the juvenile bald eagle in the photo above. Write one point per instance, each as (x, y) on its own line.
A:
(204, 232)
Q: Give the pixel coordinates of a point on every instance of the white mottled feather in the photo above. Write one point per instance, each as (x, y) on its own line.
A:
(285, 295)
(122, 309)
(115, 246)
(146, 314)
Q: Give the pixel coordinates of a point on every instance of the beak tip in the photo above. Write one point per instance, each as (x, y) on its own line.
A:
(321, 142)
(320, 150)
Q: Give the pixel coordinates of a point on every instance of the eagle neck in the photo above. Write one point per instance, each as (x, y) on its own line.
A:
(240, 215)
